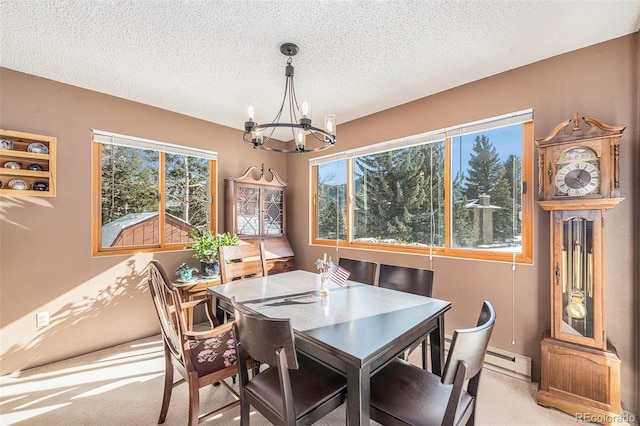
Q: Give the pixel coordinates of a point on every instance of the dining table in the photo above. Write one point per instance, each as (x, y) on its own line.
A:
(355, 329)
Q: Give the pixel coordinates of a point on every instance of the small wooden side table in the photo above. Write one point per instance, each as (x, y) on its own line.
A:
(194, 289)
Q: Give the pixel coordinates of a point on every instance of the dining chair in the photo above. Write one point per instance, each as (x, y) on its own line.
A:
(242, 261)
(291, 389)
(402, 393)
(202, 358)
(237, 262)
(410, 280)
(361, 270)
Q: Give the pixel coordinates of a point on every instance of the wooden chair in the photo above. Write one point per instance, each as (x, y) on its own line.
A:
(201, 358)
(293, 389)
(242, 261)
(410, 280)
(361, 270)
(237, 262)
(402, 393)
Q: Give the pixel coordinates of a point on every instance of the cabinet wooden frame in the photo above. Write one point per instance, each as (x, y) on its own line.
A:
(278, 250)
(20, 155)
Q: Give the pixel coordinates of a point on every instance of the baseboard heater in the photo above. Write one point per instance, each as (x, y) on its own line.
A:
(505, 362)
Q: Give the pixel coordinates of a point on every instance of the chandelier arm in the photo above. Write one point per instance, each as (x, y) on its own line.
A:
(293, 100)
(284, 99)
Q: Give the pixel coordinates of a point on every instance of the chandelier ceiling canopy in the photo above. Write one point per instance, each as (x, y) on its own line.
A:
(259, 135)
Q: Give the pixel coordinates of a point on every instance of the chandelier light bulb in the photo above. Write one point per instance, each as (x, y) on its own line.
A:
(305, 109)
(300, 140)
(330, 124)
(250, 112)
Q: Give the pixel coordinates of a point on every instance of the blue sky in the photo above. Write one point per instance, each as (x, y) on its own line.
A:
(506, 140)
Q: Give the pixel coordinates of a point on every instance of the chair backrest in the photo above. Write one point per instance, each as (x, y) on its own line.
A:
(261, 337)
(410, 280)
(242, 261)
(469, 346)
(163, 294)
(361, 270)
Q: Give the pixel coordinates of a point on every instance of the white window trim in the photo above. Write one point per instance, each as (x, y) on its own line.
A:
(517, 117)
(109, 138)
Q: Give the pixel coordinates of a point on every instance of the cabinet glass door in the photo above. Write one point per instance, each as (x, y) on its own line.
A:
(273, 224)
(248, 211)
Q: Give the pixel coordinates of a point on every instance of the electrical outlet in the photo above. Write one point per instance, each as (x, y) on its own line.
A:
(42, 319)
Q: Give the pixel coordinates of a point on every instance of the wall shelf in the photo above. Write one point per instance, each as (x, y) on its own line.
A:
(20, 155)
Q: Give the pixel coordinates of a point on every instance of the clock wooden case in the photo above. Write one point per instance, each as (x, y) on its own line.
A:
(578, 179)
(581, 165)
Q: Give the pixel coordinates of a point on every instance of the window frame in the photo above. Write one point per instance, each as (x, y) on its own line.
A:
(100, 138)
(527, 196)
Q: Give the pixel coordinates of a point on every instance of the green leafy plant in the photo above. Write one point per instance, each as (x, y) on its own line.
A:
(206, 243)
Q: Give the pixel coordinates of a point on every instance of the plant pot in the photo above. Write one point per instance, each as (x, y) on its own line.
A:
(210, 269)
(186, 275)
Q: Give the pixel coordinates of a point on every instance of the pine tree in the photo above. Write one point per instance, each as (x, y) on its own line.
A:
(393, 191)
(186, 184)
(488, 175)
(129, 182)
(484, 169)
(330, 208)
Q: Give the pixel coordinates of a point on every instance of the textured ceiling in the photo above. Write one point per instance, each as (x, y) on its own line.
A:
(209, 59)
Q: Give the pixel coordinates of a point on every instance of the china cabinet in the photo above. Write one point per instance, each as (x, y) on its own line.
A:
(255, 210)
(579, 179)
(27, 164)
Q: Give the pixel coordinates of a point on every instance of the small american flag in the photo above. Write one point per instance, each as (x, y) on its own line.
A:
(337, 274)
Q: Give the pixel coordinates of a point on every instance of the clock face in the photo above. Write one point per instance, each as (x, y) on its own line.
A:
(577, 179)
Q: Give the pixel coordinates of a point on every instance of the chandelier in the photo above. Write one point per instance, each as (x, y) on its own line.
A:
(258, 135)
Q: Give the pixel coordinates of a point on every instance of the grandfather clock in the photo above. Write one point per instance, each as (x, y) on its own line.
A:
(578, 180)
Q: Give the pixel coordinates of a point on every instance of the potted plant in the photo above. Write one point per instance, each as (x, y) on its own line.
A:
(205, 244)
(185, 272)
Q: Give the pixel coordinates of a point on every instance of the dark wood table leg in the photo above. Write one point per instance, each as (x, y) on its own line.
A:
(358, 395)
(436, 338)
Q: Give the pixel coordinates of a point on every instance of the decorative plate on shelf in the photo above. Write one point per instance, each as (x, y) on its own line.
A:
(11, 165)
(35, 166)
(38, 148)
(6, 144)
(18, 184)
(41, 185)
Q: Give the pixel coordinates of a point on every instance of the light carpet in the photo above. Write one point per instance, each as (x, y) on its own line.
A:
(122, 385)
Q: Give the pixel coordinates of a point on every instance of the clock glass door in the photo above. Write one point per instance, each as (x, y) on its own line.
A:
(577, 277)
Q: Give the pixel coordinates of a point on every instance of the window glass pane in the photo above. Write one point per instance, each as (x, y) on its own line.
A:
(129, 197)
(331, 200)
(399, 196)
(486, 190)
(186, 196)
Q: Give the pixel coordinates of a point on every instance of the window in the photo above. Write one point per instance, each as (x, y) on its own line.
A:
(459, 191)
(147, 194)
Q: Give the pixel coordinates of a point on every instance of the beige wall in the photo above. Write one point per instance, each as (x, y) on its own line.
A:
(599, 81)
(45, 247)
